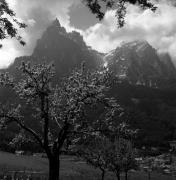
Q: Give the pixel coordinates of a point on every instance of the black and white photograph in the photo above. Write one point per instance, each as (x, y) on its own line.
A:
(87, 90)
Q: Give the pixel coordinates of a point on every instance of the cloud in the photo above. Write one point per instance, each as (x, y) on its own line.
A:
(7, 53)
(37, 14)
(157, 28)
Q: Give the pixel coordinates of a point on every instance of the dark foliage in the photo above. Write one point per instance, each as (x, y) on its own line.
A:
(150, 110)
(59, 112)
(99, 7)
(8, 23)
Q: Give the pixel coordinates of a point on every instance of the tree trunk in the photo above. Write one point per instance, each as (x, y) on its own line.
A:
(118, 176)
(54, 168)
(102, 174)
(149, 176)
(126, 175)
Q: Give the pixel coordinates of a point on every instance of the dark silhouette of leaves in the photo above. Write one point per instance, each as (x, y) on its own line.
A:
(99, 7)
(9, 23)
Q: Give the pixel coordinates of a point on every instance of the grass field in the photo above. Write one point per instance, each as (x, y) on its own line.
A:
(71, 169)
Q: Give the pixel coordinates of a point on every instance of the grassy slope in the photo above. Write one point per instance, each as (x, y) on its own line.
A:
(14, 162)
(70, 169)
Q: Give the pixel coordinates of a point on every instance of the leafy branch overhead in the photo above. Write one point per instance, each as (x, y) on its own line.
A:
(9, 23)
(99, 7)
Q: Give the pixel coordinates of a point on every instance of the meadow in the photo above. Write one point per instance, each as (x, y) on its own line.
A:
(71, 169)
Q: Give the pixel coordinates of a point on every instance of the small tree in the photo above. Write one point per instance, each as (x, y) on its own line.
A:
(128, 161)
(120, 155)
(150, 166)
(114, 158)
(94, 152)
(59, 111)
(110, 149)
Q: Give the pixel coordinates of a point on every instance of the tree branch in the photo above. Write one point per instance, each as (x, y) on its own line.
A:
(22, 125)
(46, 123)
(62, 136)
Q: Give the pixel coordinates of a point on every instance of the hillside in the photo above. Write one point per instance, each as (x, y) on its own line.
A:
(66, 50)
(71, 168)
(147, 88)
(141, 64)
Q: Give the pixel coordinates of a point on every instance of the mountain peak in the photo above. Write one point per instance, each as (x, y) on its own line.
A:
(56, 23)
(55, 28)
(138, 61)
(66, 50)
(78, 38)
(137, 43)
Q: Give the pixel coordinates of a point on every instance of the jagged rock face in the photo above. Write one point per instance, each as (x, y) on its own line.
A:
(166, 60)
(140, 63)
(65, 50)
(137, 61)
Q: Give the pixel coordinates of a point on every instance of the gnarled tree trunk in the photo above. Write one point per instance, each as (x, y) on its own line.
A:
(126, 175)
(102, 174)
(54, 168)
(118, 175)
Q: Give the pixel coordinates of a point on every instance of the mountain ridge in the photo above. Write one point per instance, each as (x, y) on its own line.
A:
(66, 50)
(136, 61)
(140, 63)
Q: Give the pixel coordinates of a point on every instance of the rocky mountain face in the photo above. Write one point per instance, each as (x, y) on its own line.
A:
(65, 50)
(153, 109)
(141, 64)
(138, 62)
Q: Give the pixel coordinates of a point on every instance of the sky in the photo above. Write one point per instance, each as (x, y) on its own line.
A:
(158, 28)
